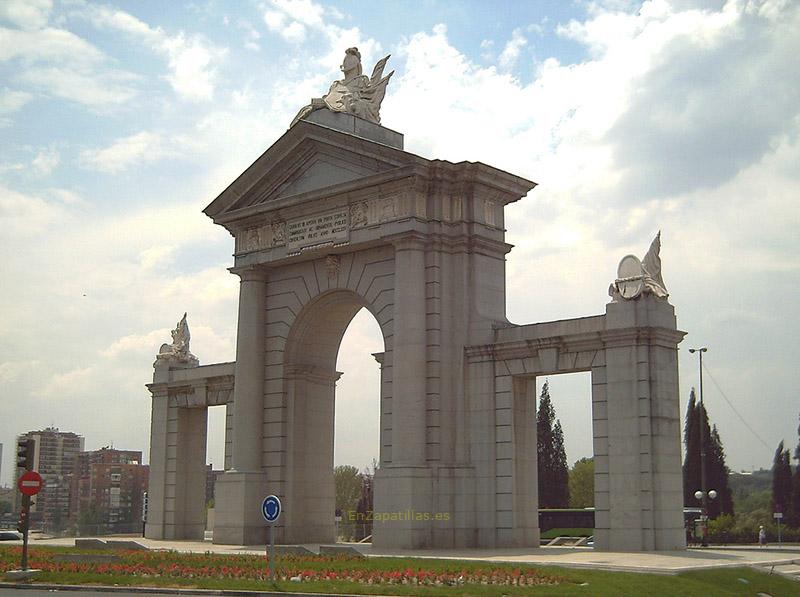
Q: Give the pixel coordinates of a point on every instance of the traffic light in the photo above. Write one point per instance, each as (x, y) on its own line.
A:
(25, 448)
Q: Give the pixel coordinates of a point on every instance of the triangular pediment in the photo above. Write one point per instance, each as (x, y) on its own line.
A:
(306, 160)
(313, 167)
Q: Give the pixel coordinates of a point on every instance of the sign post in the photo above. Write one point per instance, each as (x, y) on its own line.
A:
(778, 516)
(30, 483)
(271, 510)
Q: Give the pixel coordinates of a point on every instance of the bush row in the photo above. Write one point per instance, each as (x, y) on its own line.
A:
(727, 529)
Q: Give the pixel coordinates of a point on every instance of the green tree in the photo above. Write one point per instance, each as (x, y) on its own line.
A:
(581, 484)
(795, 513)
(781, 480)
(552, 458)
(717, 472)
(365, 503)
(691, 462)
(91, 520)
(348, 482)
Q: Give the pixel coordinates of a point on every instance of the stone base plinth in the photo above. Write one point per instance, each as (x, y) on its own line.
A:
(403, 504)
(237, 508)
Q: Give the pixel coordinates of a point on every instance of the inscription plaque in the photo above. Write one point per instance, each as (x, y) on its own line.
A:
(331, 227)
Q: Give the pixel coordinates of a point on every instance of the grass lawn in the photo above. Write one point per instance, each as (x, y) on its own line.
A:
(384, 576)
(574, 532)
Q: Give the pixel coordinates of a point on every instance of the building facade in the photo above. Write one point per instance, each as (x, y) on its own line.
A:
(54, 458)
(107, 490)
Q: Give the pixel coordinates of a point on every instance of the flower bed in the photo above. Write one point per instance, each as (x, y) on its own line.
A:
(372, 571)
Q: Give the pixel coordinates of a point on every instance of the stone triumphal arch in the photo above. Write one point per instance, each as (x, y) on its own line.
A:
(335, 217)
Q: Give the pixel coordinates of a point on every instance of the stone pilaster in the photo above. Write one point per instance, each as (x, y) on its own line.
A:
(409, 354)
(238, 492)
(405, 487)
(248, 398)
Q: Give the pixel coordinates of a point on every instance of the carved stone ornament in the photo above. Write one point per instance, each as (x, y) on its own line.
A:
(333, 263)
(278, 233)
(358, 214)
(387, 209)
(356, 94)
(178, 351)
(637, 278)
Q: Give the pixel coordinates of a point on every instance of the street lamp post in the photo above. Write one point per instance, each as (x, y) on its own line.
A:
(703, 490)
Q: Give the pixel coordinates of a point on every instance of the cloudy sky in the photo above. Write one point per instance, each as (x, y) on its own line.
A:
(121, 120)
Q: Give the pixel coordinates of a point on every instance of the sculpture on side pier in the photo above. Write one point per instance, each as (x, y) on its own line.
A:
(179, 349)
(636, 278)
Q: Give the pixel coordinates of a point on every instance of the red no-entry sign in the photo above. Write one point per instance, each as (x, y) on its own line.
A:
(30, 483)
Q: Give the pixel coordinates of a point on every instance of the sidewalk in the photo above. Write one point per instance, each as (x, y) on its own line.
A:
(577, 557)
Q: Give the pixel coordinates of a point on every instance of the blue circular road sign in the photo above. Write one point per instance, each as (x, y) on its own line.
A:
(271, 508)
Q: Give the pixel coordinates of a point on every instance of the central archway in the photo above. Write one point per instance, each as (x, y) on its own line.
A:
(310, 365)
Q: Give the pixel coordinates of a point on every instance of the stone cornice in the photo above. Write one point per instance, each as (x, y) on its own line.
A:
(572, 343)
(250, 273)
(312, 374)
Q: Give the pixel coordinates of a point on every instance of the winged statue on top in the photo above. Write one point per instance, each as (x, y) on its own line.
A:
(178, 350)
(356, 94)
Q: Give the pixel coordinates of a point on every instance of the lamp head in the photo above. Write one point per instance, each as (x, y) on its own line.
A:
(698, 494)
(712, 494)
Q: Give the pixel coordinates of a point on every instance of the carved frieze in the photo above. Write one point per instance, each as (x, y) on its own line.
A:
(358, 214)
(278, 233)
(266, 236)
(387, 209)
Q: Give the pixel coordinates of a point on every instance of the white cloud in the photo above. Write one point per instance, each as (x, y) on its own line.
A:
(22, 214)
(157, 256)
(145, 345)
(302, 11)
(48, 44)
(26, 14)
(67, 197)
(11, 371)
(191, 63)
(511, 51)
(142, 147)
(191, 59)
(68, 385)
(98, 92)
(46, 160)
(11, 101)
(293, 19)
(67, 66)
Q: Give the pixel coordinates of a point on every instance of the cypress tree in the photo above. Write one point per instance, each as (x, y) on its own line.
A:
(716, 470)
(781, 481)
(718, 473)
(552, 458)
(691, 463)
(795, 521)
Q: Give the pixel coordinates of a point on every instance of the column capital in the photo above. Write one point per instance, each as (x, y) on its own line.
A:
(409, 241)
(249, 273)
